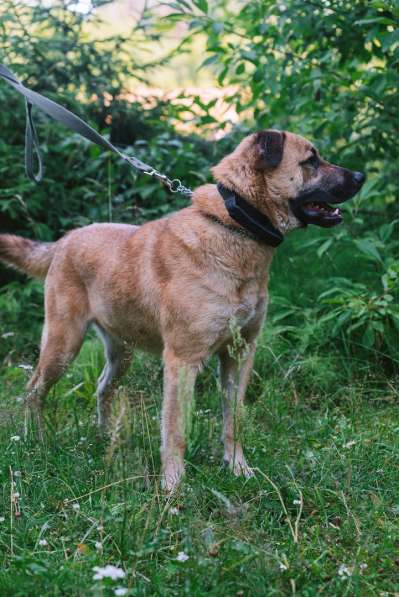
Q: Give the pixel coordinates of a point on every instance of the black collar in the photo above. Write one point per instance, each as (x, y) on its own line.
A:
(250, 218)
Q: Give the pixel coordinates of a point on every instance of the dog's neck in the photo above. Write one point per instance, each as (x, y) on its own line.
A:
(218, 208)
(209, 201)
(234, 175)
(255, 196)
(242, 256)
(254, 223)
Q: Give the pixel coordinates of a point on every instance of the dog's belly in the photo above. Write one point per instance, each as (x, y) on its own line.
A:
(136, 335)
(127, 321)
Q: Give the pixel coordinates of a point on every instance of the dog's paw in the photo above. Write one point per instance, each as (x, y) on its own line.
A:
(239, 467)
(171, 476)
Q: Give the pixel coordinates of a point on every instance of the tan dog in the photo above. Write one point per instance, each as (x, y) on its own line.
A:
(178, 285)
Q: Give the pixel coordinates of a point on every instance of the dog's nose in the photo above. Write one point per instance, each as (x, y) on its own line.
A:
(359, 177)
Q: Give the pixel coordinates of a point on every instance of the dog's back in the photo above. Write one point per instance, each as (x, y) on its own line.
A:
(34, 258)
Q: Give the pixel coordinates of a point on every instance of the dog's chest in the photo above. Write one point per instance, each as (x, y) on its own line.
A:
(249, 304)
(244, 313)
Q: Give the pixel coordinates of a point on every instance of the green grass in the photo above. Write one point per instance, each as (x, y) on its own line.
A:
(320, 431)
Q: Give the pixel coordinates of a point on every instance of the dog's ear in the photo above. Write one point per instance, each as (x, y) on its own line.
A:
(270, 147)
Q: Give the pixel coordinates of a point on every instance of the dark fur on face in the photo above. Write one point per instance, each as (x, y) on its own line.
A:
(333, 185)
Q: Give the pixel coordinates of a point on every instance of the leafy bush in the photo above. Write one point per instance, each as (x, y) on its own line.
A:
(328, 70)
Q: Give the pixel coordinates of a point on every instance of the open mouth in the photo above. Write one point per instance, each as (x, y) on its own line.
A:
(314, 208)
(321, 214)
(319, 206)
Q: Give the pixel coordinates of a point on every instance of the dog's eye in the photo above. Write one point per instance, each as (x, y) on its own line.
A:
(313, 162)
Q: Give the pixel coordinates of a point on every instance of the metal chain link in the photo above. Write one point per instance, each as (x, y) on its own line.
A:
(174, 185)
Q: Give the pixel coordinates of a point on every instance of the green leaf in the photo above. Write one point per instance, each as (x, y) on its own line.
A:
(395, 319)
(380, 20)
(222, 75)
(369, 249)
(324, 247)
(210, 60)
(378, 326)
(368, 338)
(202, 5)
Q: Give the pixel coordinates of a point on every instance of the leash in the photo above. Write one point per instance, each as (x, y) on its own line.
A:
(73, 122)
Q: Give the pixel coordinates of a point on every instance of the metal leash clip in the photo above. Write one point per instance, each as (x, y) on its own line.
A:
(174, 185)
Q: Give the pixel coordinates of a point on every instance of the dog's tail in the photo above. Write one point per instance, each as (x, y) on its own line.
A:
(33, 258)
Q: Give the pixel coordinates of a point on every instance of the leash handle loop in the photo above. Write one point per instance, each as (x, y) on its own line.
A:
(32, 147)
(76, 124)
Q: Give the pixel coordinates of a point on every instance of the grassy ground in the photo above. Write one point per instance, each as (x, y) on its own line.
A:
(321, 516)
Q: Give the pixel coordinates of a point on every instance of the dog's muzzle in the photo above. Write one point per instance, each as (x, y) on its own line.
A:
(315, 206)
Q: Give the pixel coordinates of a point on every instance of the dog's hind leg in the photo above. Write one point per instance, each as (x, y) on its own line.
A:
(63, 334)
(117, 356)
(234, 377)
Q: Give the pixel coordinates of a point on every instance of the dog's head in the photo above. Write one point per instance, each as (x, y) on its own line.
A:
(283, 175)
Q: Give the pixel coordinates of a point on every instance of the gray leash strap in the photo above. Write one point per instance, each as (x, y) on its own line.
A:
(32, 147)
(73, 122)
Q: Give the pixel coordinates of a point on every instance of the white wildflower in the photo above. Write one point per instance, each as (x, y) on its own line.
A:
(76, 506)
(108, 571)
(15, 438)
(16, 494)
(182, 557)
(344, 571)
(98, 545)
(174, 511)
(17, 473)
(350, 444)
(283, 567)
(120, 591)
(2, 519)
(363, 566)
(43, 542)
(297, 502)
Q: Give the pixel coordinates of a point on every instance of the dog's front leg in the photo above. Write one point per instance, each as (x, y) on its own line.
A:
(179, 381)
(234, 376)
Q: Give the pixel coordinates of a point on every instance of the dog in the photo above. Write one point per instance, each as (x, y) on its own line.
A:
(180, 285)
